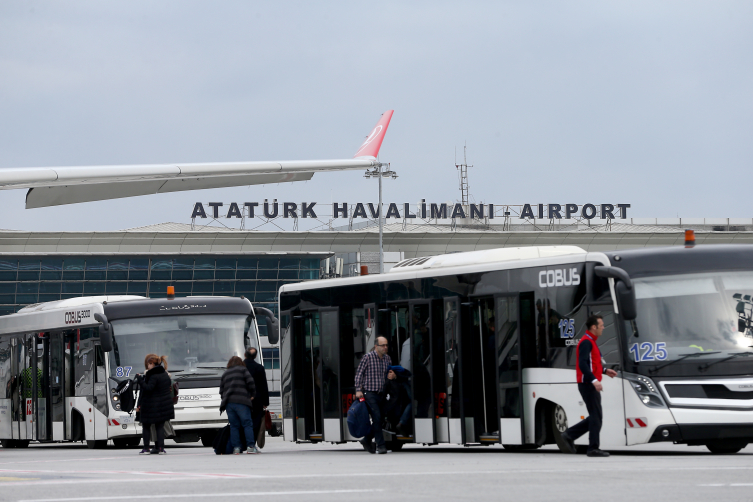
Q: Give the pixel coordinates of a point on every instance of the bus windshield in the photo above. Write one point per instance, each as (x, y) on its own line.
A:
(195, 345)
(691, 314)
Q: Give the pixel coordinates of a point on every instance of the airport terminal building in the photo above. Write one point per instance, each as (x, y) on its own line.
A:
(215, 260)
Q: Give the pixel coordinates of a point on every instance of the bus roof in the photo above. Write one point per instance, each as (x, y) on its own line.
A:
(77, 302)
(468, 262)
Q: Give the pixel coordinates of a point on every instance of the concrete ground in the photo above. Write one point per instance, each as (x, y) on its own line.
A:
(305, 472)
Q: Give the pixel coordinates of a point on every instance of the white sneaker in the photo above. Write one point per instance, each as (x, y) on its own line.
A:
(253, 450)
(236, 451)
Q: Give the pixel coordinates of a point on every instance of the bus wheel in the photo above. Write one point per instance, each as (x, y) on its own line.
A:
(8, 443)
(558, 419)
(207, 438)
(122, 442)
(395, 445)
(725, 447)
(96, 445)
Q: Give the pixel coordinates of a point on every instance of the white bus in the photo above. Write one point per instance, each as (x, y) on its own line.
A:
(61, 361)
(492, 341)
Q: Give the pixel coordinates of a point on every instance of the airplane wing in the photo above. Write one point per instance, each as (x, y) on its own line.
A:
(54, 186)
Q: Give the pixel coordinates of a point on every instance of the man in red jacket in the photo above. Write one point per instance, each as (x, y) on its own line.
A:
(589, 371)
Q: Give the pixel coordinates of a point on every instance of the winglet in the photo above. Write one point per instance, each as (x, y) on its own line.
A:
(370, 147)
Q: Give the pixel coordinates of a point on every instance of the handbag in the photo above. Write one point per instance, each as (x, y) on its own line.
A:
(268, 420)
(168, 428)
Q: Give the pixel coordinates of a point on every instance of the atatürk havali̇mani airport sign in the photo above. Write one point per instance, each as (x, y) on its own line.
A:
(405, 210)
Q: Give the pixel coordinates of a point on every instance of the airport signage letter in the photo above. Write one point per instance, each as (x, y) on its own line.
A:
(403, 210)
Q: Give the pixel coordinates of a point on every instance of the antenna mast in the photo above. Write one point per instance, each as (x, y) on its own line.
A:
(464, 187)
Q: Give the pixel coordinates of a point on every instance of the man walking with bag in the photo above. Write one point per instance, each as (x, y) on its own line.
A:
(589, 371)
(370, 377)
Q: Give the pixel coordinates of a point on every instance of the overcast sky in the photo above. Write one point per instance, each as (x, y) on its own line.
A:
(648, 103)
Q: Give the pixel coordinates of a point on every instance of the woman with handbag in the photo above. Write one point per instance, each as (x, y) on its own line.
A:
(155, 404)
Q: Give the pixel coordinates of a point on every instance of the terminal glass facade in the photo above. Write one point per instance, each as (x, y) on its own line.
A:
(26, 279)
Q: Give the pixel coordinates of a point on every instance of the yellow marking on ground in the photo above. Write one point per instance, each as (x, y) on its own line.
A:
(17, 479)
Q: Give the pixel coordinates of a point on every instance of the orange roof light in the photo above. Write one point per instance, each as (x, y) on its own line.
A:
(689, 238)
(170, 292)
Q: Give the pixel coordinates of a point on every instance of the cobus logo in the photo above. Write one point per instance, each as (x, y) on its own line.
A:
(77, 316)
(559, 277)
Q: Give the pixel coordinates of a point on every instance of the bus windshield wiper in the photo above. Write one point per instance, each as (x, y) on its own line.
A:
(706, 366)
(192, 373)
(681, 358)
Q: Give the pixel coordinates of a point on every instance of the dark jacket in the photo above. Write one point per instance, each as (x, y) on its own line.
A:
(259, 374)
(236, 386)
(154, 396)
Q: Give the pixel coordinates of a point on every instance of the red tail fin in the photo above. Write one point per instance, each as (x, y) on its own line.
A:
(370, 147)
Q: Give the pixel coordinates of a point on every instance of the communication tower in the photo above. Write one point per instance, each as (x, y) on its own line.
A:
(463, 171)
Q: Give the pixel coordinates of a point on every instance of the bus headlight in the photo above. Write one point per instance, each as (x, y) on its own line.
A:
(646, 390)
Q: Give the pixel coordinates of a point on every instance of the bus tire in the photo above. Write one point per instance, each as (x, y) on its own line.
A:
(727, 447)
(126, 442)
(558, 421)
(395, 445)
(22, 443)
(207, 438)
(96, 445)
(8, 443)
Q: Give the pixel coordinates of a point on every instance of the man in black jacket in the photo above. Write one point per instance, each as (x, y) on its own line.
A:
(261, 401)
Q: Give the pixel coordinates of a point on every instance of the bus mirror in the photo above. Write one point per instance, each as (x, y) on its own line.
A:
(626, 301)
(273, 324)
(740, 309)
(105, 333)
(623, 288)
(741, 326)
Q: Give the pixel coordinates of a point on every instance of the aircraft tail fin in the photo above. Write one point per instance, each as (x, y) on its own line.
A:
(370, 147)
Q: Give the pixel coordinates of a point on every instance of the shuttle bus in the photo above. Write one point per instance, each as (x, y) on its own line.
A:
(490, 340)
(61, 361)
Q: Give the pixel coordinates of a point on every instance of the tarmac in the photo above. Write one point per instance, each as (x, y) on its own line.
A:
(324, 472)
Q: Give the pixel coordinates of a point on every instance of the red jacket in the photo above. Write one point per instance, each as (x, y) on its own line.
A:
(588, 356)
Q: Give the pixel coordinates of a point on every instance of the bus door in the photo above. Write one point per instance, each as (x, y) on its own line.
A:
(6, 407)
(17, 391)
(329, 374)
(424, 405)
(308, 372)
(451, 373)
(287, 377)
(56, 394)
(508, 370)
(478, 342)
(40, 390)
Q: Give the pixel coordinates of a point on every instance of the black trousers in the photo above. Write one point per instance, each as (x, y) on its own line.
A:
(592, 423)
(159, 441)
(374, 404)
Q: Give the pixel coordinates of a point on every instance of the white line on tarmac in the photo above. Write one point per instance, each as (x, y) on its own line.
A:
(202, 495)
(204, 475)
(730, 484)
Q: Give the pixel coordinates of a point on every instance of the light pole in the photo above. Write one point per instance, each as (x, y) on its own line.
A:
(377, 172)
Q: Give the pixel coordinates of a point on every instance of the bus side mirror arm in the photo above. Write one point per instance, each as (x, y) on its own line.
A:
(105, 332)
(273, 324)
(623, 289)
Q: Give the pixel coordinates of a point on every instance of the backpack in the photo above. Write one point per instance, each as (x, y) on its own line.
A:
(359, 423)
(126, 395)
(222, 444)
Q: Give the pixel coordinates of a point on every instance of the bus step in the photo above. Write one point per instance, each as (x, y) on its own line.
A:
(404, 438)
(316, 436)
(488, 438)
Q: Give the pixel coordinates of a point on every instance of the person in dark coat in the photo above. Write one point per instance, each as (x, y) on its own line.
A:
(155, 404)
(261, 401)
(238, 390)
